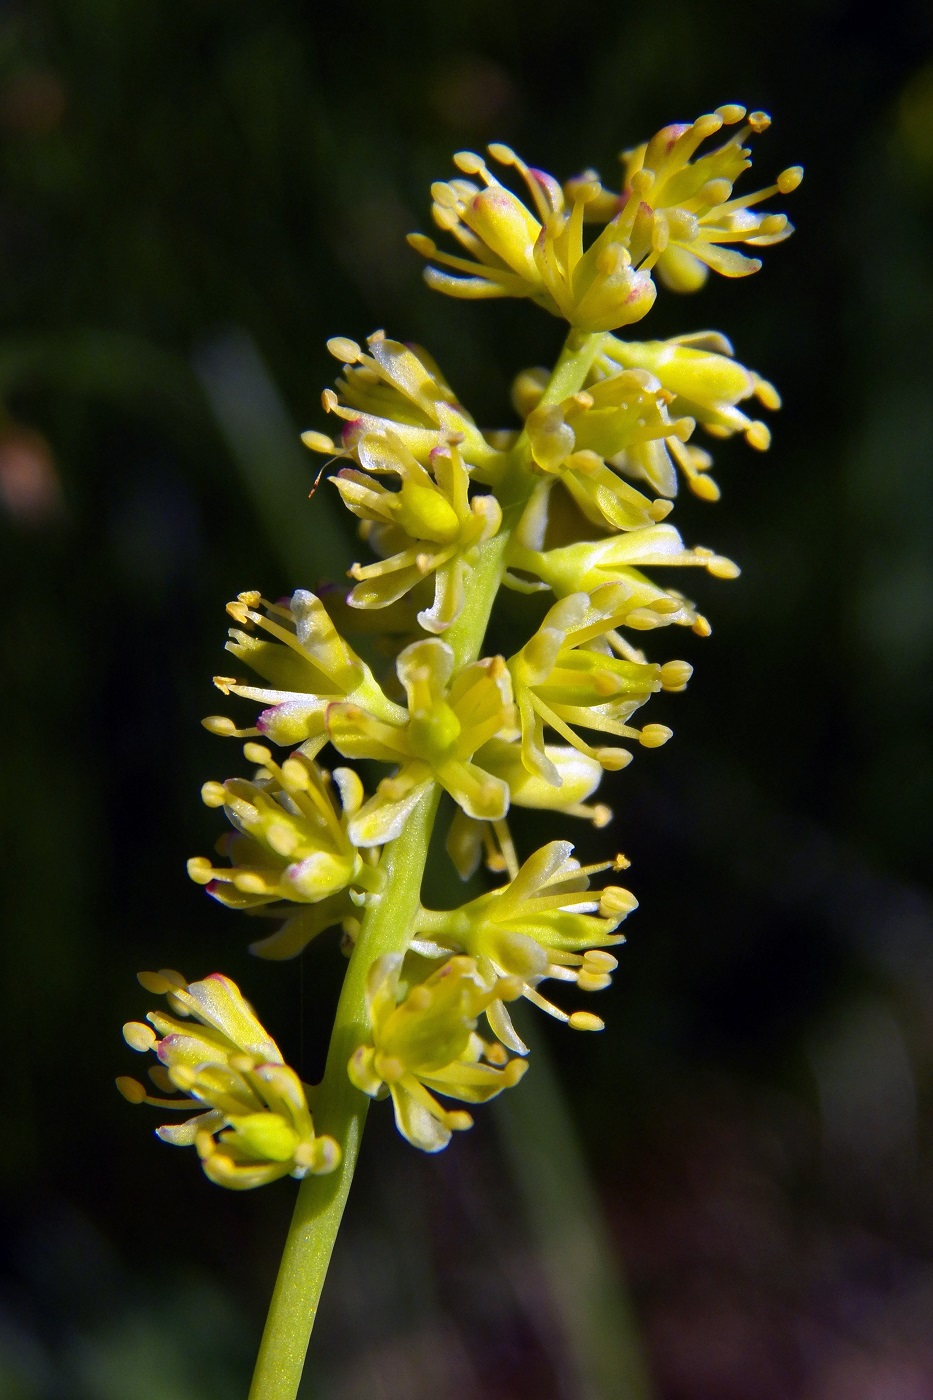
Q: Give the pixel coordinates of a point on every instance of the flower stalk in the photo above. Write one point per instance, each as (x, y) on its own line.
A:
(340, 1108)
(572, 503)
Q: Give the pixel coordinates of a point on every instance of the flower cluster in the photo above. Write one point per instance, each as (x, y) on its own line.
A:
(251, 1122)
(290, 844)
(567, 674)
(546, 922)
(398, 389)
(428, 525)
(423, 1038)
(571, 501)
(675, 214)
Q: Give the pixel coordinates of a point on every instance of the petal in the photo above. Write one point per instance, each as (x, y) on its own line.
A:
(417, 1123)
(361, 1072)
(725, 261)
(479, 793)
(184, 1134)
(224, 1171)
(503, 1029)
(218, 1002)
(538, 869)
(383, 817)
(357, 734)
(476, 1083)
(382, 987)
(263, 1136)
(297, 932)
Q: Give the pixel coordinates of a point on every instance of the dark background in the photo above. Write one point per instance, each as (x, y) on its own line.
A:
(192, 199)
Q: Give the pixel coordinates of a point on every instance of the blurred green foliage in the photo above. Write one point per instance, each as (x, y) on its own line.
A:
(192, 198)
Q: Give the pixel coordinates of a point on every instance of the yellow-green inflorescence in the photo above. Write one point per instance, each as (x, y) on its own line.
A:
(572, 501)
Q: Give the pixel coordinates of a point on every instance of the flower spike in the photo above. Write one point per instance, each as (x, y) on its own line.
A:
(571, 501)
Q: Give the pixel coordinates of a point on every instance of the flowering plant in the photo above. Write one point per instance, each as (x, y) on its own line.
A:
(574, 503)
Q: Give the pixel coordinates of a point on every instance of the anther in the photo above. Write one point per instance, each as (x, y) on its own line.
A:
(257, 753)
(613, 759)
(722, 568)
(161, 982)
(614, 900)
(704, 487)
(318, 442)
(213, 794)
(708, 125)
(674, 675)
(139, 1036)
(347, 351)
(654, 735)
(789, 179)
(599, 960)
(593, 981)
(470, 163)
(585, 1021)
(131, 1089)
(200, 870)
(422, 244)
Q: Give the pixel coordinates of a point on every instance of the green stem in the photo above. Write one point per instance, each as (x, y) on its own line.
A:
(577, 358)
(340, 1108)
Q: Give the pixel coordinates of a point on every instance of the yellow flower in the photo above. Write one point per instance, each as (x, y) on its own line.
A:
(622, 420)
(252, 1123)
(289, 846)
(398, 387)
(449, 717)
(619, 559)
(308, 666)
(519, 253)
(706, 383)
(544, 923)
(677, 213)
(427, 525)
(423, 1039)
(567, 675)
(578, 776)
